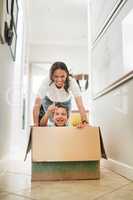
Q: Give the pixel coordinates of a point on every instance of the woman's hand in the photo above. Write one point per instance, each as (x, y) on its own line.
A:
(82, 125)
(82, 111)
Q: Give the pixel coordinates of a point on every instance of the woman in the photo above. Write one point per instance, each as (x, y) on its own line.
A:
(58, 87)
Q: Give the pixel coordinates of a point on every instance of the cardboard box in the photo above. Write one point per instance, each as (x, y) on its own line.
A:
(65, 153)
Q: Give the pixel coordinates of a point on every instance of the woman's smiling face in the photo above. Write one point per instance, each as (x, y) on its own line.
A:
(59, 77)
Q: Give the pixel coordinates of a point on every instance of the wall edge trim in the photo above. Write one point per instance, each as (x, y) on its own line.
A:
(114, 85)
(109, 20)
(119, 167)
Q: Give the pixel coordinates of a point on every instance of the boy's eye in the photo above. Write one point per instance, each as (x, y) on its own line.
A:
(63, 114)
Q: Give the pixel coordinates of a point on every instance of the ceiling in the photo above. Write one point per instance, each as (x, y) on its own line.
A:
(58, 22)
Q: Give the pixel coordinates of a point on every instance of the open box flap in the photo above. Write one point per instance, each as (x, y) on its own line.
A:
(28, 148)
(103, 153)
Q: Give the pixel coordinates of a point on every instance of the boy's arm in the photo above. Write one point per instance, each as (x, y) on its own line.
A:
(50, 111)
(44, 120)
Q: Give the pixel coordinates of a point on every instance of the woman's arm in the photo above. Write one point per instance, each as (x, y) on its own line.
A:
(36, 110)
(82, 111)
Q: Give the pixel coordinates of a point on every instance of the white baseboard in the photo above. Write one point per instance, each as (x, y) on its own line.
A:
(118, 167)
(3, 166)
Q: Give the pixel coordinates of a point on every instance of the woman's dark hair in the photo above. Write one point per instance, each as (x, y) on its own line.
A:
(62, 66)
(60, 105)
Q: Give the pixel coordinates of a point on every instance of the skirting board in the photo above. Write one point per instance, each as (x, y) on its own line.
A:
(118, 167)
(3, 165)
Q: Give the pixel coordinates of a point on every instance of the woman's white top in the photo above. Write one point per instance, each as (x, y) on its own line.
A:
(58, 94)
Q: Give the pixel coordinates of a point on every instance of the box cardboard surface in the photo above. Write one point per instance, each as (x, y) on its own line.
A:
(74, 170)
(65, 144)
(62, 153)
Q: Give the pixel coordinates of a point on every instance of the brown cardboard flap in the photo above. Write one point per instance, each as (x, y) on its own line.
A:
(28, 144)
(103, 153)
(65, 144)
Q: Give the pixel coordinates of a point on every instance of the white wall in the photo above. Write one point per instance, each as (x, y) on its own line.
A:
(112, 83)
(6, 73)
(11, 76)
(76, 57)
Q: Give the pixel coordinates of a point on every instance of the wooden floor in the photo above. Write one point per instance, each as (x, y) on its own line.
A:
(15, 184)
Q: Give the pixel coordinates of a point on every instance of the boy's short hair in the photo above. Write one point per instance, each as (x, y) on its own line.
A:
(60, 105)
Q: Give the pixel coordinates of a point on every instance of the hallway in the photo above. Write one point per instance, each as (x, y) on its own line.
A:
(15, 184)
(94, 38)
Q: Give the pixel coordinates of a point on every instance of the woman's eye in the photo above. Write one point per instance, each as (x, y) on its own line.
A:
(57, 77)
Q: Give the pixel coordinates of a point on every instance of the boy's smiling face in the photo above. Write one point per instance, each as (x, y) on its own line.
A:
(60, 116)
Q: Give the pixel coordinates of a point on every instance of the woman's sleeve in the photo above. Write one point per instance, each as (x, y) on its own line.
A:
(74, 87)
(43, 88)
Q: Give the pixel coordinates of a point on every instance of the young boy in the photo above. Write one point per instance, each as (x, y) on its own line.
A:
(59, 114)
